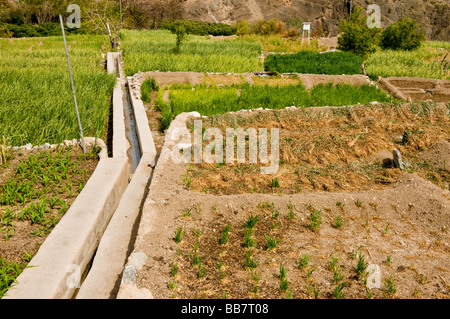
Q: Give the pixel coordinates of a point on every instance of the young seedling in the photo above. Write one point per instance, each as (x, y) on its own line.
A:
(338, 292)
(388, 260)
(340, 205)
(201, 272)
(223, 240)
(251, 221)
(361, 266)
(315, 220)
(248, 240)
(271, 243)
(338, 222)
(284, 284)
(386, 230)
(179, 234)
(290, 213)
(174, 270)
(390, 287)
(303, 261)
(358, 203)
(275, 183)
(249, 261)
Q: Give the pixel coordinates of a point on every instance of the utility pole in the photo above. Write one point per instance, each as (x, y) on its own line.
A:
(71, 81)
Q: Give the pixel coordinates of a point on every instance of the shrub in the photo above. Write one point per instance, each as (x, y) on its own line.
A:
(200, 27)
(405, 34)
(356, 36)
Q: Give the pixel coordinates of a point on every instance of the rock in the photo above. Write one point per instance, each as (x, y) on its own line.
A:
(28, 146)
(397, 159)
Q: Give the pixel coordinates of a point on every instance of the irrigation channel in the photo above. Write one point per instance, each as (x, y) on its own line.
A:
(85, 254)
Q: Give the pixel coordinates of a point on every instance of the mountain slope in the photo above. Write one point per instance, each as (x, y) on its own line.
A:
(432, 15)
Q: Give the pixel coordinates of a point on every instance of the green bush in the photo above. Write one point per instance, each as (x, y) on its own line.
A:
(332, 63)
(405, 34)
(42, 30)
(356, 37)
(199, 27)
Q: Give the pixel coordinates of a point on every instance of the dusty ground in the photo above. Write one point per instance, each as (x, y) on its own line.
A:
(402, 227)
(333, 160)
(418, 89)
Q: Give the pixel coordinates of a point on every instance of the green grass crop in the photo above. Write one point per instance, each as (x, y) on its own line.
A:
(36, 101)
(147, 87)
(9, 271)
(276, 43)
(332, 63)
(250, 262)
(215, 100)
(424, 62)
(153, 50)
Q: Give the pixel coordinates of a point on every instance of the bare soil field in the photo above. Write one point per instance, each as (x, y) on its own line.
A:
(418, 89)
(339, 209)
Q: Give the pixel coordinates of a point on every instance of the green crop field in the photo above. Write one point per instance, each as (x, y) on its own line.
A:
(153, 50)
(213, 100)
(332, 63)
(424, 62)
(36, 101)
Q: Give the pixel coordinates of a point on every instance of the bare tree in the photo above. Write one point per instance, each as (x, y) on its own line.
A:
(150, 13)
(104, 16)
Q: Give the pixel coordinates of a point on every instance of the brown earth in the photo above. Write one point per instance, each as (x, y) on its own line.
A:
(418, 89)
(396, 220)
(401, 226)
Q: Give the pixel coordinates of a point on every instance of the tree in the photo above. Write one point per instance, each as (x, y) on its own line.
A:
(356, 36)
(104, 16)
(405, 34)
(144, 13)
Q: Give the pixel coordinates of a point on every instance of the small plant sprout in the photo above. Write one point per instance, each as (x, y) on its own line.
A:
(248, 240)
(315, 220)
(303, 261)
(201, 272)
(290, 213)
(275, 183)
(284, 284)
(338, 222)
(223, 240)
(358, 203)
(338, 292)
(179, 234)
(251, 221)
(386, 230)
(390, 287)
(249, 261)
(187, 213)
(271, 243)
(172, 285)
(361, 266)
(388, 260)
(340, 205)
(174, 270)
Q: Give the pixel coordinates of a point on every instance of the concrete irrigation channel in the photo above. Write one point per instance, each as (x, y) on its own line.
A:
(84, 256)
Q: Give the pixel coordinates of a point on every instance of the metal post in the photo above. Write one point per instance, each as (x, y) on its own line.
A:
(71, 81)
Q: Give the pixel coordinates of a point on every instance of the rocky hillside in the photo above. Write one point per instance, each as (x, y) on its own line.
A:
(433, 15)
